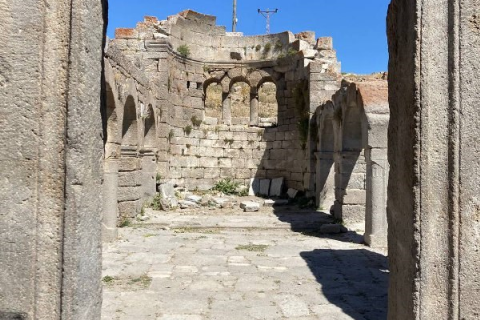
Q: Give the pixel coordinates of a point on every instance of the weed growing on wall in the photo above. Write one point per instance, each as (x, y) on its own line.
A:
(196, 122)
(187, 130)
(226, 186)
(184, 50)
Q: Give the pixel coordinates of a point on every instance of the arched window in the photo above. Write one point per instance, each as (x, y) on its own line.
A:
(267, 103)
(213, 101)
(240, 102)
(129, 128)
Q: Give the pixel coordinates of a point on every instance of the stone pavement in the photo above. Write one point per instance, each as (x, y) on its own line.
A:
(226, 265)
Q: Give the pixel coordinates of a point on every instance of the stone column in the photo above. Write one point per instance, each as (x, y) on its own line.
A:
(376, 227)
(434, 155)
(51, 159)
(226, 108)
(110, 200)
(254, 109)
(325, 181)
(149, 172)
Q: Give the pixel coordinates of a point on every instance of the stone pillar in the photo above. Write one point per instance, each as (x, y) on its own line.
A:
(51, 159)
(376, 227)
(434, 154)
(110, 200)
(325, 181)
(254, 109)
(149, 172)
(226, 108)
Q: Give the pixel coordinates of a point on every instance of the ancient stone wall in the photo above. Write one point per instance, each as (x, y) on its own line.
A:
(351, 166)
(245, 137)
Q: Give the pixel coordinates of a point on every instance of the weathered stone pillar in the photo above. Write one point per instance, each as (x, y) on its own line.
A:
(434, 155)
(110, 200)
(226, 108)
(376, 227)
(50, 159)
(254, 109)
(149, 172)
(325, 181)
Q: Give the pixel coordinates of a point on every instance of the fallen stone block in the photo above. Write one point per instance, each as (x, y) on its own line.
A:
(276, 187)
(268, 203)
(185, 204)
(194, 198)
(332, 228)
(250, 206)
(166, 190)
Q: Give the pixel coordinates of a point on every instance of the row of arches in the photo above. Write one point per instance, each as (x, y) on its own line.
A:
(352, 166)
(243, 99)
(130, 138)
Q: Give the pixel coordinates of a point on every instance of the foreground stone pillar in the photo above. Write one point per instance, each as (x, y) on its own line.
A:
(434, 153)
(50, 159)
(376, 227)
(110, 200)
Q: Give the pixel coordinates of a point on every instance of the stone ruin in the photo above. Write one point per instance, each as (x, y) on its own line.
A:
(52, 153)
(189, 103)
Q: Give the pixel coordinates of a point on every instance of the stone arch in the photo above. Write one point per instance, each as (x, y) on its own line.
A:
(213, 98)
(239, 99)
(267, 102)
(130, 124)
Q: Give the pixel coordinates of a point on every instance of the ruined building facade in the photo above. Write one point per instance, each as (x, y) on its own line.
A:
(190, 103)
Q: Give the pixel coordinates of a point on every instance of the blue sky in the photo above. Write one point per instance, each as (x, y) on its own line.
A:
(357, 27)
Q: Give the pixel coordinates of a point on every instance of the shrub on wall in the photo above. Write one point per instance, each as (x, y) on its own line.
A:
(184, 50)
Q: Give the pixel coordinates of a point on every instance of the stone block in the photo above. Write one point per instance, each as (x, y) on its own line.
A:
(128, 209)
(194, 198)
(276, 187)
(254, 188)
(185, 204)
(128, 193)
(264, 187)
(250, 206)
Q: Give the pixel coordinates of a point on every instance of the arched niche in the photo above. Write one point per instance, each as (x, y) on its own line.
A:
(149, 139)
(267, 103)
(129, 127)
(213, 99)
(111, 116)
(239, 96)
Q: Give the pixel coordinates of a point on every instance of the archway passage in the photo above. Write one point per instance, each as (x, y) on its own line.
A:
(129, 127)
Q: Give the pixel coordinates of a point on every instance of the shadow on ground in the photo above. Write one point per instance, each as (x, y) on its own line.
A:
(350, 279)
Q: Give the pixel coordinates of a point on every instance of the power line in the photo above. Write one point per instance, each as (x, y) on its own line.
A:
(267, 13)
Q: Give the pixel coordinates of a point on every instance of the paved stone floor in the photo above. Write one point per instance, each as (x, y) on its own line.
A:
(194, 264)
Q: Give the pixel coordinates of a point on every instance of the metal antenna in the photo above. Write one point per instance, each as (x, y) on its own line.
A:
(267, 13)
(234, 22)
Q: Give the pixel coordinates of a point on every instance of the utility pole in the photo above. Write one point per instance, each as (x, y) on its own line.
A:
(267, 13)
(234, 22)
